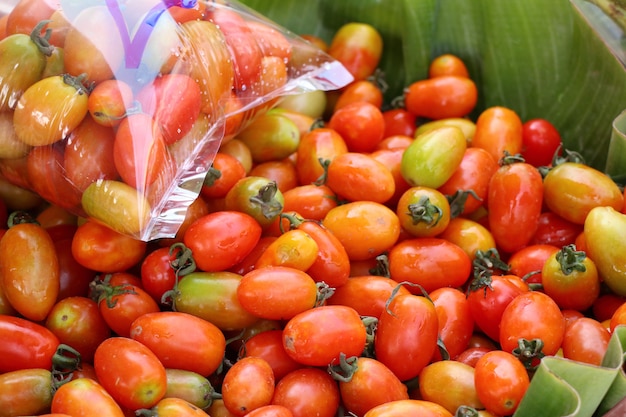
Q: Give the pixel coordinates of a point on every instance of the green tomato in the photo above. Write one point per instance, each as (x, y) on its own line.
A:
(604, 231)
(258, 197)
(270, 137)
(431, 159)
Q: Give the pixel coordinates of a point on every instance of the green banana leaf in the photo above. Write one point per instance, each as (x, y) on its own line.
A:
(540, 58)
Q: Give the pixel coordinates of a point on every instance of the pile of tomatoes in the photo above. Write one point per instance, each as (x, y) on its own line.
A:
(345, 257)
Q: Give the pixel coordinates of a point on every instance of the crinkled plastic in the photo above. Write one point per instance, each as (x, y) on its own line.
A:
(186, 74)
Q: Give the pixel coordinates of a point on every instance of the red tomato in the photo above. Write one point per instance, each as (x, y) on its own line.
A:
(318, 336)
(29, 271)
(248, 385)
(358, 47)
(268, 345)
(605, 306)
(26, 14)
(396, 344)
(222, 239)
(109, 101)
(311, 201)
(361, 90)
(26, 392)
(514, 204)
(456, 323)
(429, 262)
(618, 317)
(498, 129)
(306, 392)
(84, 397)
(271, 410)
(399, 122)
(532, 315)
(26, 345)
(442, 97)
(501, 382)
(528, 262)
(283, 172)
(225, 171)
(586, 340)
(181, 340)
(540, 142)
(360, 124)
(319, 145)
(130, 372)
(555, 230)
(158, 273)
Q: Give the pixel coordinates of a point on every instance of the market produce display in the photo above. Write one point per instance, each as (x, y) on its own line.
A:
(347, 252)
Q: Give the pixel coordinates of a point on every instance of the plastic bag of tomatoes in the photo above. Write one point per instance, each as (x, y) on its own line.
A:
(114, 109)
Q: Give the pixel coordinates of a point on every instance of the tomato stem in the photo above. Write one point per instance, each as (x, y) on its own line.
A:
(466, 411)
(42, 42)
(382, 266)
(457, 201)
(266, 200)
(424, 211)
(65, 361)
(371, 324)
(488, 261)
(508, 159)
(344, 371)
(212, 175)
(443, 350)
(325, 163)
(19, 217)
(324, 292)
(571, 260)
(529, 352)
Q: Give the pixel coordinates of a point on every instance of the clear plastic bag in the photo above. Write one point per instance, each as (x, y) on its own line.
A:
(119, 118)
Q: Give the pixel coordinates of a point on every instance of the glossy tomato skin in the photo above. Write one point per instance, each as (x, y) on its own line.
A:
(514, 204)
(441, 97)
(555, 230)
(501, 381)
(30, 270)
(408, 407)
(268, 345)
(450, 384)
(311, 201)
(529, 261)
(306, 392)
(319, 143)
(469, 235)
(447, 64)
(173, 406)
(248, 385)
(456, 323)
(220, 240)
(423, 211)
(25, 392)
(360, 124)
(540, 141)
(498, 130)
(259, 197)
(358, 46)
(396, 344)
(586, 340)
(294, 248)
(429, 262)
(26, 344)
(318, 336)
(84, 397)
(130, 372)
(181, 340)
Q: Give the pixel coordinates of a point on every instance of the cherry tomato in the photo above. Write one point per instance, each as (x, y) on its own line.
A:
(456, 323)
(618, 317)
(447, 64)
(29, 270)
(532, 315)
(27, 345)
(172, 407)
(225, 171)
(158, 275)
(311, 201)
(571, 279)
(540, 141)
(270, 136)
(605, 306)
(272, 410)
(367, 383)
(469, 235)
(248, 385)
(277, 292)
(555, 230)
(306, 392)
(501, 381)
(395, 343)
(109, 102)
(449, 384)
(360, 124)
(498, 129)
(423, 212)
(283, 172)
(572, 189)
(365, 228)
(84, 397)
(25, 392)
(362, 90)
(268, 345)
(25, 15)
(293, 249)
(316, 337)
(514, 204)
(586, 340)
(320, 144)
(358, 47)
(529, 261)
(259, 197)
(429, 262)
(392, 159)
(408, 407)
(395, 141)
(441, 97)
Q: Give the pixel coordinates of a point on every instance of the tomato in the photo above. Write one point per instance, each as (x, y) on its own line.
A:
(423, 212)
(77, 322)
(365, 228)
(283, 172)
(571, 279)
(572, 189)
(181, 340)
(605, 306)
(432, 158)
(258, 197)
(469, 235)
(88, 154)
(498, 129)
(220, 240)
(268, 345)
(501, 381)
(109, 102)
(247, 264)
(172, 407)
(408, 407)
(29, 270)
(10, 145)
(360, 124)
(532, 315)
(290, 291)
(158, 273)
(429, 262)
(102, 249)
(272, 410)
(471, 355)
(248, 385)
(529, 261)
(514, 204)
(27, 345)
(456, 323)
(25, 392)
(470, 181)
(225, 171)
(586, 340)
(316, 337)
(212, 296)
(365, 383)
(396, 342)
(447, 64)
(294, 249)
(361, 90)
(319, 145)
(306, 392)
(130, 372)
(270, 136)
(488, 297)
(357, 177)
(449, 384)
(392, 159)
(306, 107)
(395, 141)
(358, 47)
(118, 205)
(188, 11)
(25, 15)
(441, 97)
(84, 397)
(311, 201)
(555, 230)
(540, 142)
(618, 317)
